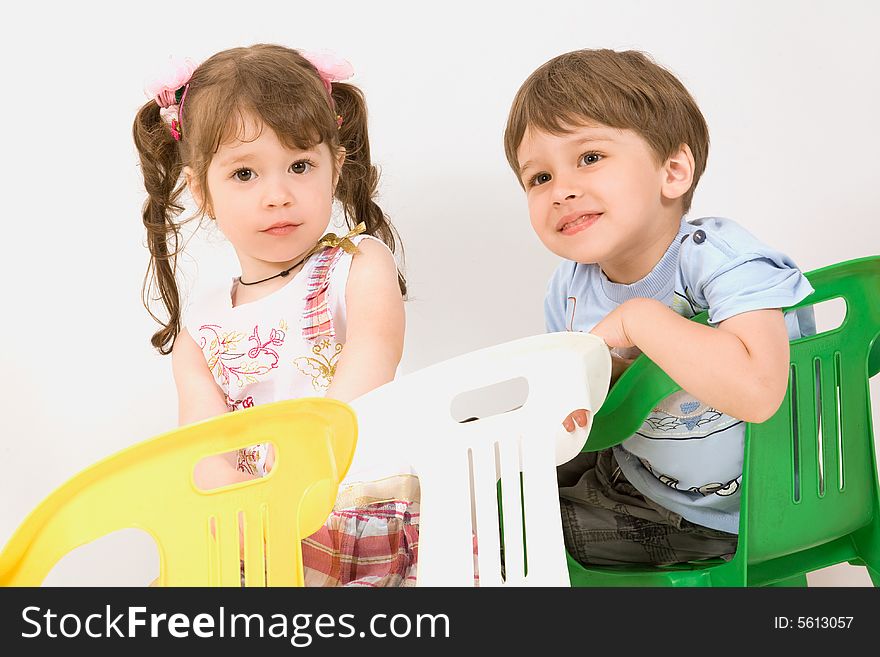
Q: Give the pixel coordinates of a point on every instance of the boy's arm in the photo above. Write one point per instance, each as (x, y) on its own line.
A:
(740, 368)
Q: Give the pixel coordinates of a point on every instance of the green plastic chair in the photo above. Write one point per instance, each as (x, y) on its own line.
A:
(810, 492)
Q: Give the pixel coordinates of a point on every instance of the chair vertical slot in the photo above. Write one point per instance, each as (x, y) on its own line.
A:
(522, 497)
(250, 527)
(795, 436)
(486, 504)
(230, 550)
(470, 459)
(213, 552)
(820, 447)
(511, 473)
(498, 478)
(264, 532)
(838, 397)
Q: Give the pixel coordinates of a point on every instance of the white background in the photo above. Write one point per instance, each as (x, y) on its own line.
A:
(790, 91)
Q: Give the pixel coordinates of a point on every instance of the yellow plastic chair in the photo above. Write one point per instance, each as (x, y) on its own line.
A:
(150, 486)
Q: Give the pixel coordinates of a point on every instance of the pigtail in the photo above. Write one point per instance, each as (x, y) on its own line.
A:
(359, 177)
(161, 167)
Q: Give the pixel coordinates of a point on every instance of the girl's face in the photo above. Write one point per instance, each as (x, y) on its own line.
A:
(598, 195)
(271, 202)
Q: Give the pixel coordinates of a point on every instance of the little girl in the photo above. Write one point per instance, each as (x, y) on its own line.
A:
(265, 138)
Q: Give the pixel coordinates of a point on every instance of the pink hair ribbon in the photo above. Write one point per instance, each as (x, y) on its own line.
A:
(168, 88)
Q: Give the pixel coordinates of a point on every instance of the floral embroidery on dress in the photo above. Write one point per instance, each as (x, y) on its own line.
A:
(249, 459)
(239, 404)
(322, 366)
(227, 361)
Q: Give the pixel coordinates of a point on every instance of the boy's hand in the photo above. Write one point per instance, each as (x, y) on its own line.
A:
(612, 328)
(619, 365)
(578, 417)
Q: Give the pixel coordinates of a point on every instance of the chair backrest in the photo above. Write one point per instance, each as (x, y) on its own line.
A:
(809, 474)
(150, 486)
(462, 464)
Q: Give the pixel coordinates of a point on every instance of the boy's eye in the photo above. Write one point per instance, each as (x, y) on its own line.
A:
(243, 175)
(540, 179)
(590, 158)
(301, 166)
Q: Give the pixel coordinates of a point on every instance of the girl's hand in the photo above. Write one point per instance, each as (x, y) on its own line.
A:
(578, 417)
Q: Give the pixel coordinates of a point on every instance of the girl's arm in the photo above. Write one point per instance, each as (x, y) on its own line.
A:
(374, 340)
(199, 398)
(198, 395)
(740, 368)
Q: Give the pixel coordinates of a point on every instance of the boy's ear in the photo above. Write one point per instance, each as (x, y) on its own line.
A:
(195, 189)
(678, 173)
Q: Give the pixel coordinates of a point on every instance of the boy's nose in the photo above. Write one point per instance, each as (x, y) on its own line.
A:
(565, 195)
(565, 189)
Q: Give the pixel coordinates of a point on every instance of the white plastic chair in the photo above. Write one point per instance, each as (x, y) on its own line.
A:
(410, 421)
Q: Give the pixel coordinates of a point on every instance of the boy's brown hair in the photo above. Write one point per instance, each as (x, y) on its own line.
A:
(625, 90)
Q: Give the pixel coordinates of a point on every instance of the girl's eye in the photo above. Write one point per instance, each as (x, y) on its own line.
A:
(540, 179)
(243, 175)
(590, 158)
(301, 166)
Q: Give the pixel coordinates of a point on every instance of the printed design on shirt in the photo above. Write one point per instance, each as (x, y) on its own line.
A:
(714, 488)
(685, 305)
(321, 365)
(662, 423)
(228, 360)
(722, 490)
(680, 414)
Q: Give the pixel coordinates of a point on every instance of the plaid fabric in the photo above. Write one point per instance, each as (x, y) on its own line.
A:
(317, 320)
(370, 539)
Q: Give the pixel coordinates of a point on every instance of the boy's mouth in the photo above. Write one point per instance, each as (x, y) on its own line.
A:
(576, 222)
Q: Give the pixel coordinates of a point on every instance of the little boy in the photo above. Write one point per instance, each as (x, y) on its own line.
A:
(609, 148)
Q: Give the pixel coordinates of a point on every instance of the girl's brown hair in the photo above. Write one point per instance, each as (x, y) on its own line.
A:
(625, 90)
(284, 90)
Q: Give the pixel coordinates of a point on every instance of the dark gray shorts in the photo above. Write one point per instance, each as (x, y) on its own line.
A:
(606, 521)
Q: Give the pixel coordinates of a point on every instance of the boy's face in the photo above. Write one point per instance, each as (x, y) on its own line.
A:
(599, 195)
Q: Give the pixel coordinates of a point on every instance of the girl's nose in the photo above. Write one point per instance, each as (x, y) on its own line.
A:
(278, 195)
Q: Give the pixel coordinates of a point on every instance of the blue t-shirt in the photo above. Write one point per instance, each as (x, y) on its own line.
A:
(687, 456)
